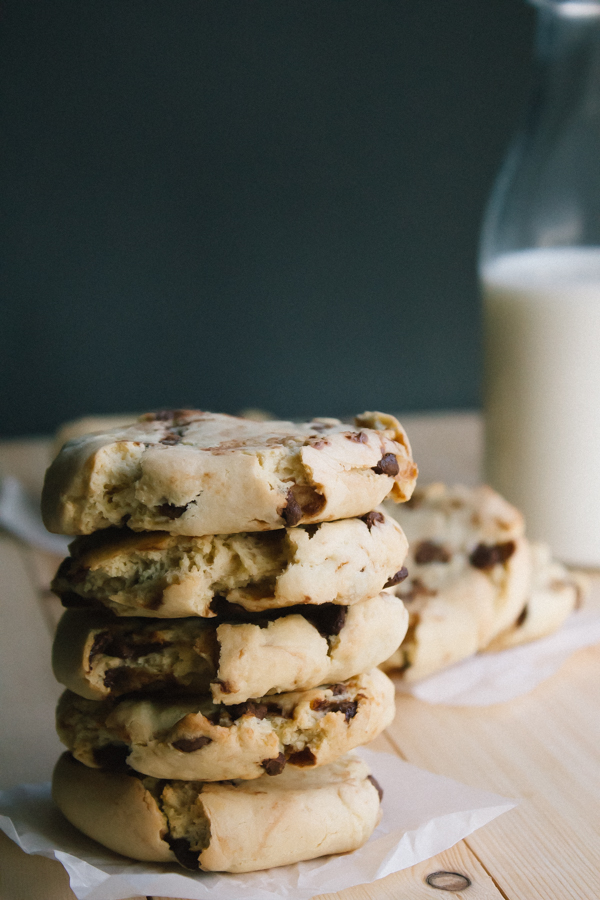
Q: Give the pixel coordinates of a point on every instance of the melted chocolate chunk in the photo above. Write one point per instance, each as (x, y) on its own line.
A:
(292, 511)
(117, 679)
(358, 437)
(387, 465)
(521, 620)
(185, 856)
(189, 745)
(111, 756)
(249, 708)
(170, 511)
(311, 530)
(274, 766)
(327, 618)
(486, 556)
(338, 688)
(101, 640)
(373, 518)
(397, 578)
(429, 552)
(376, 785)
(348, 707)
(302, 758)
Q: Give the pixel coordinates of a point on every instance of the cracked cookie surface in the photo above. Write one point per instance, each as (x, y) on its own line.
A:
(193, 473)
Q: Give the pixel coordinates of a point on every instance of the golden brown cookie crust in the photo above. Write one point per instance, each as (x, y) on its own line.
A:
(193, 473)
(300, 814)
(97, 655)
(194, 739)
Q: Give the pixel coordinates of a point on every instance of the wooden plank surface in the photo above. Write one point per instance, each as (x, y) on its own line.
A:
(541, 749)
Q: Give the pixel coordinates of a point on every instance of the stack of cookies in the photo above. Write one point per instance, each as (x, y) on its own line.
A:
(229, 597)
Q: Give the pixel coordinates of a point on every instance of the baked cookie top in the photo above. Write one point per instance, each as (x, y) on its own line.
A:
(194, 473)
(169, 576)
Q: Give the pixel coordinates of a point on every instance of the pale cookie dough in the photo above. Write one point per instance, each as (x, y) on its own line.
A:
(157, 574)
(98, 656)
(469, 573)
(238, 826)
(194, 473)
(199, 740)
(553, 594)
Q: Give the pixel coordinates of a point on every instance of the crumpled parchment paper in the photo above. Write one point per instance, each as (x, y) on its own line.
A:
(423, 814)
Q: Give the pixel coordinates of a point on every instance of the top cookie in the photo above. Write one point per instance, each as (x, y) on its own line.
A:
(194, 473)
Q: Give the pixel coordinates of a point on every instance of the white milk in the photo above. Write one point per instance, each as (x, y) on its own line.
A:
(542, 393)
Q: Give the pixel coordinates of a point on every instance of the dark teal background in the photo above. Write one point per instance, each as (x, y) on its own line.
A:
(233, 203)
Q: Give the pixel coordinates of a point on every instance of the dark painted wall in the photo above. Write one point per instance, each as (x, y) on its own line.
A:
(242, 203)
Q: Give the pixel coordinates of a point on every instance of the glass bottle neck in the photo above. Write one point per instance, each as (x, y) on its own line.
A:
(567, 55)
(548, 191)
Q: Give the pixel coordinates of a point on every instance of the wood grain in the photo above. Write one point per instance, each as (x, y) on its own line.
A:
(541, 748)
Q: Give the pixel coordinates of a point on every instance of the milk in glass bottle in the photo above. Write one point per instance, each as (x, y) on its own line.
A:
(540, 276)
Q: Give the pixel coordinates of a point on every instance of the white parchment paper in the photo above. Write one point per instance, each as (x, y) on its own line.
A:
(496, 677)
(423, 814)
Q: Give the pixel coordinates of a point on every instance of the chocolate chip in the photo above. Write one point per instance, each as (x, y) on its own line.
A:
(117, 679)
(189, 745)
(520, 621)
(358, 437)
(486, 556)
(373, 518)
(336, 689)
(348, 707)
(274, 766)
(397, 578)
(111, 756)
(170, 511)
(224, 685)
(376, 785)
(430, 551)
(101, 640)
(185, 856)
(292, 511)
(302, 758)
(311, 530)
(249, 708)
(327, 618)
(387, 465)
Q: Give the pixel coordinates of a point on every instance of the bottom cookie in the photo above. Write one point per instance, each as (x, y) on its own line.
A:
(235, 826)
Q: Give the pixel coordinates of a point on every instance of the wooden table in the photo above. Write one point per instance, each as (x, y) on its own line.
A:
(543, 748)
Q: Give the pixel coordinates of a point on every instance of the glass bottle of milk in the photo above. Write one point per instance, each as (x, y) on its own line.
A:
(540, 274)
